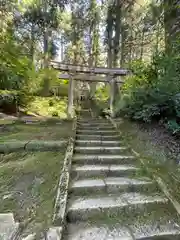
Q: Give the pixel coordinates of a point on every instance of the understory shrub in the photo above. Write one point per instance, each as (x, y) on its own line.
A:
(10, 101)
(153, 92)
(55, 114)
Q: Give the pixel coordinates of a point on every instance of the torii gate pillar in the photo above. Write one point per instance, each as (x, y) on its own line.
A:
(112, 97)
(70, 108)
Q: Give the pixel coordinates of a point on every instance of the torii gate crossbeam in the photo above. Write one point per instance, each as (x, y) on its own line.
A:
(87, 78)
(86, 69)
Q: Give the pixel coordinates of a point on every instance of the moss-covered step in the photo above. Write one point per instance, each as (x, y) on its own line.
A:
(163, 229)
(98, 132)
(113, 205)
(103, 159)
(95, 136)
(105, 143)
(95, 171)
(92, 120)
(111, 185)
(95, 128)
(100, 149)
(93, 124)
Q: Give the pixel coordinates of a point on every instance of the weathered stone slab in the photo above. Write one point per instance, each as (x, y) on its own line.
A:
(95, 136)
(98, 142)
(96, 128)
(103, 159)
(98, 171)
(110, 185)
(87, 231)
(93, 124)
(8, 227)
(96, 132)
(155, 229)
(45, 145)
(90, 121)
(112, 205)
(54, 233)
(12, 146)
(33, 145)
(100, 149)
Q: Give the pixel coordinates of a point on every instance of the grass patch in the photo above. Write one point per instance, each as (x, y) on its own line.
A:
(28, 181)
(48, 107)
(41, 127)
(158, 160)
(37, 131)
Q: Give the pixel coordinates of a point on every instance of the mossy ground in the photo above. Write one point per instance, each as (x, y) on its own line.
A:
(28, 185)
(158, 160)
(50, 130)
(49, 106)
(28, 180)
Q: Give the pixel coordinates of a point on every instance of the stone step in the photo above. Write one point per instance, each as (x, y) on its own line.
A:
(103, 159)
(96, 171)
(96, 128)
(100, 149)
(110, 206)
(8, 226)
(97, 132)
(165, 229)
(111, 185)
(93, 124)
(92, 120)
(97, 137)
(98, 142)
(53, 233)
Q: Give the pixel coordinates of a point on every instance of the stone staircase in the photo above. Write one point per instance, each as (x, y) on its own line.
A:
(107, 199)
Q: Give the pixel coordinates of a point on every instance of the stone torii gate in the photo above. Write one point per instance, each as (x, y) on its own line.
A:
(89, 74)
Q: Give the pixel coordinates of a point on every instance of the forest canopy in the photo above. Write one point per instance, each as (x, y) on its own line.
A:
(136, 34)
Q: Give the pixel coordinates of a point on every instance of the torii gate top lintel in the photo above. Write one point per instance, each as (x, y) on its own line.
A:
(85, 69)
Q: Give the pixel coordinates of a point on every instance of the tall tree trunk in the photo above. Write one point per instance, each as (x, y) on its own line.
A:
(32, 48)
(46, 51)
(142, 46)
(109, 36)
(172, 24)
(123, 39)
(94, 40)
(117, 32)
(62, 49)
(46, 47)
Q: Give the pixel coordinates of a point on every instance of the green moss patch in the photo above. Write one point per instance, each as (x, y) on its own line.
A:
(28, 180)
(158, 159)
(50, 130)
(49, 106)
(28, 185)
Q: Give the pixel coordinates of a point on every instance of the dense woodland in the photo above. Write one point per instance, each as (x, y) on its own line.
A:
(136, 34)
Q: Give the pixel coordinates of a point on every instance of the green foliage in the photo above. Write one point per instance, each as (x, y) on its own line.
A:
(152, 93)
(51, 102)
(173, 126)
(102, 93)
(11, 100)
(55, 114)
(40, 106)
(15, 68)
